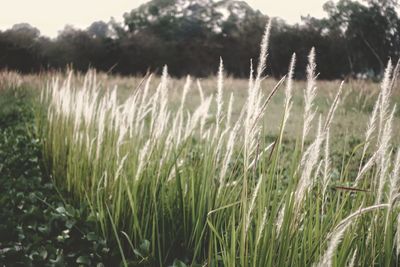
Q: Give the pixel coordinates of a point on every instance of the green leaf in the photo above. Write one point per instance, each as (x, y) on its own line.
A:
(43, 253)
(92, 236)
(178, 263)
(43, 228)
(83, 260)
(145, 246)
(70, 223)
(70, 210)
(61, 210)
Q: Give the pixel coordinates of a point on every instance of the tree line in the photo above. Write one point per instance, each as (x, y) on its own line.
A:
(355, 39)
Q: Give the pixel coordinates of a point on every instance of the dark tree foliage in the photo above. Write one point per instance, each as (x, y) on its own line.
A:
(356, 38)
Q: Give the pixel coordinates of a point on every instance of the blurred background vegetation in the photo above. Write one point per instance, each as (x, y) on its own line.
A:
(355, 40)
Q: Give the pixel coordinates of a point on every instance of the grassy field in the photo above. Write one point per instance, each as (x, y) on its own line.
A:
(226, 172)
(351, 118)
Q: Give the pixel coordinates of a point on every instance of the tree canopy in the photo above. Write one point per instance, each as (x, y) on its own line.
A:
(190, 35)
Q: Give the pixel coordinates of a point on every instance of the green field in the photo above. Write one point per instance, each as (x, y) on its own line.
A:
(155, 171)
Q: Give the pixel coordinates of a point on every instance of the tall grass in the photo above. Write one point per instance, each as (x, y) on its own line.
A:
(167, 184)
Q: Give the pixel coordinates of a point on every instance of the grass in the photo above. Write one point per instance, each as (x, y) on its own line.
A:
(351, 118)
(176, 175)
(40, 225)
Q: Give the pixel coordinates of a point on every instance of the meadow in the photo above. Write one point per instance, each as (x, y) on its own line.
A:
(226, 172)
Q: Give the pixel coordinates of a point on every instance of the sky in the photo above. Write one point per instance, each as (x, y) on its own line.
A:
(50, 16)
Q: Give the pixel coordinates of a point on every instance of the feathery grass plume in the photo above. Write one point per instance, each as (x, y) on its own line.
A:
(254, 98)
(395, 178)
(289, 90)
(326, 260)
(268, 99)
(219, 145)
(251, 76)
(252, 202)
(394, 185)
(228, 155)
(79, 109)
(186, 89)
(159, 107)
(112, 102)
(254, 90)
(122, 131)
(139, 124)
(177, 124)
(199, 116)
(309, 96)
(161, 121)
(252, 129)
(261, 227)
(353, 259)
(333, 108)
(327, 167)
(205, 114)
(310, 156)
(90, 95)
(367, 166)
(398, 236)
(229, 111)
(304, 185)
(251, 165)
(337, 235)
(371, 127)
(229, 151)
(130, 112)
(385, 97)
(10, 79)
(143, 155)
(384, 155)
(279, 219)
(101, 125)
(200, 89)
(219, 98)
(318, 169)
(264, 51)
(120, 167)
(395, 76)
(90, 151)
(309, 161)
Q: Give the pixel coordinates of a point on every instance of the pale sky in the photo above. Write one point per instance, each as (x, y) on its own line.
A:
(50, 16)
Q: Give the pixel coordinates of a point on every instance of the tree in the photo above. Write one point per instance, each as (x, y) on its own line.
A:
(99, 29)
(19, 48)
(371, 35)
(190, 36)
